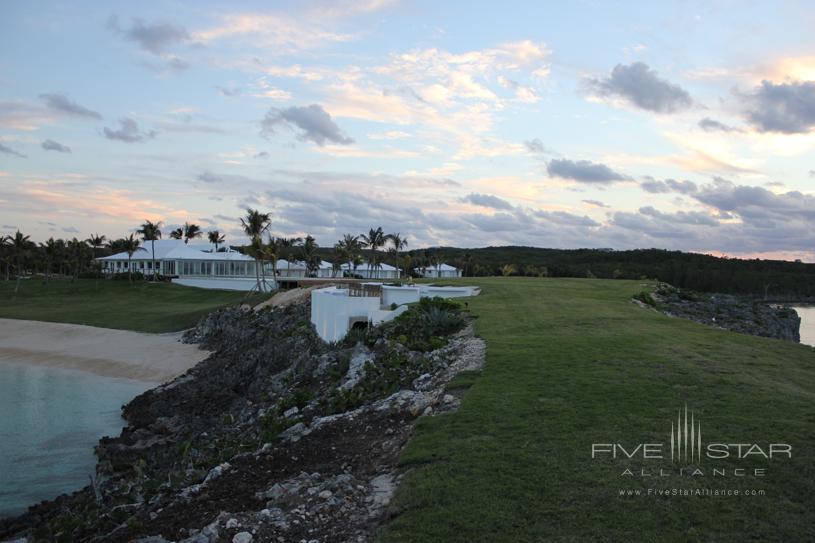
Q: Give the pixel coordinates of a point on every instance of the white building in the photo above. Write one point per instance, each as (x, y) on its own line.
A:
(334, 311)
(366, 271)
(194, 264)
(296, 268)
(440, 271)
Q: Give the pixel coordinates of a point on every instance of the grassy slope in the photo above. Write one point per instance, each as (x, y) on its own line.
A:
(571, 362)
(145, 307)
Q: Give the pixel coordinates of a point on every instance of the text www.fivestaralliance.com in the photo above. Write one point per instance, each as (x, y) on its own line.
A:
(690, 492)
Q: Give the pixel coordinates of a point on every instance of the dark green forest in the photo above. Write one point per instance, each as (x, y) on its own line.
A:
(770, 279)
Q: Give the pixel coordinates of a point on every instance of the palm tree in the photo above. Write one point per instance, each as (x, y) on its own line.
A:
(131, 245)
(20, 245)
(287, 246)
(397, 244)
(177, 233)
(272, 252)
(76, 249)
(216, 238)
(192, 231)
(466, 262)
(308, 253)
(151, 231)
(255, 224)
(51, 250)
(5, 253)
(348, 247)
(374, 241)
(96, 242)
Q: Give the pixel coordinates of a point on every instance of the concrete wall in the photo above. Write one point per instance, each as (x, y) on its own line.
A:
(449, 292)
(241, 283)
(400, 295)
(332, 310)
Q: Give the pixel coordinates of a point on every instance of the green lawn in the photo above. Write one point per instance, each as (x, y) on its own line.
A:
(141, 306)
(573, 362)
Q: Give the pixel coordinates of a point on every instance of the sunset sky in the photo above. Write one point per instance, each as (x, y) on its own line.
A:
(583, 124)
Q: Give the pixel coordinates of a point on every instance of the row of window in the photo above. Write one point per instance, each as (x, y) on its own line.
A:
(223, 269)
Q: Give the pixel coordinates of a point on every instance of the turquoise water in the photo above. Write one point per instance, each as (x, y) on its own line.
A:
(807, 314)
(50, 420)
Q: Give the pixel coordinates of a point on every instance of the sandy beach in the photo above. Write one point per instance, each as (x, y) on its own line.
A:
(112, 353)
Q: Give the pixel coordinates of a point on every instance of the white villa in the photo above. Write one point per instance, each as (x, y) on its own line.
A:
(194, 264)
(335, 310)
(199, 265)
(293, 269)
(441, 271)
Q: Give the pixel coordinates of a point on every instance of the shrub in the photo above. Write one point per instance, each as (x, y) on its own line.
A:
(645, 297)
(137, 276)
(423, 326)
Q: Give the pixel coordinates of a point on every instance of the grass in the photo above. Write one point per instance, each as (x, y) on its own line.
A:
(571, 362)
(141, 306)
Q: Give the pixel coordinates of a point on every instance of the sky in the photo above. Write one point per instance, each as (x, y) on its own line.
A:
(686, 125)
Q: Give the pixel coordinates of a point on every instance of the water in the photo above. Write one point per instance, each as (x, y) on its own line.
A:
(50, 420)
(807, 314)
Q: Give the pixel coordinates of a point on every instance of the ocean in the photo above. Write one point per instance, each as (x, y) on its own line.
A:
(50, 421)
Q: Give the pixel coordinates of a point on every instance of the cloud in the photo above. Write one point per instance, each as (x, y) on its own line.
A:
(669, 185)
(522, 92)
(757, 205)
(129, 132)
(262, 154)
(314, 123)
(59, 103)
(788, 108)
(225, 179)
(583, 171)
(10, 151)
(641, 86)
(535, 146)
(19, 115)
(682, 217)
(51, 145)
(712, 125)
(595, 203)
(486, 200)
(229, 91)
(70, 229)
(155, 38)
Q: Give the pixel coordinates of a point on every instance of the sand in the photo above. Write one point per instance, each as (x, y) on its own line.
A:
(112, 353)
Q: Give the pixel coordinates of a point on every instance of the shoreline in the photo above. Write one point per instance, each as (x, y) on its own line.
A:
(154, 358)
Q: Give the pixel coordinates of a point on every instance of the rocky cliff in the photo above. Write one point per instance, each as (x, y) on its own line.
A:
(736, 313)
(277, 436)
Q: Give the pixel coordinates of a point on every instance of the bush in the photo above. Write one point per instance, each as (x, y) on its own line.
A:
(423, 326)
(137, 276)
(645, 297)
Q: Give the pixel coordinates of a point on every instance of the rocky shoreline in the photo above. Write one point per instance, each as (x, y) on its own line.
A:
(276, 436)
(735, 313)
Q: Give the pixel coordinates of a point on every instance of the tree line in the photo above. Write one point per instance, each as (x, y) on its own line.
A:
(768, 279)
(22, 257)
(779, 280)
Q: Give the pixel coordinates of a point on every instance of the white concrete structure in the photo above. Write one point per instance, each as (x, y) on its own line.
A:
(335, 310)
(440, 271)
(409, 294)
(194, 264)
